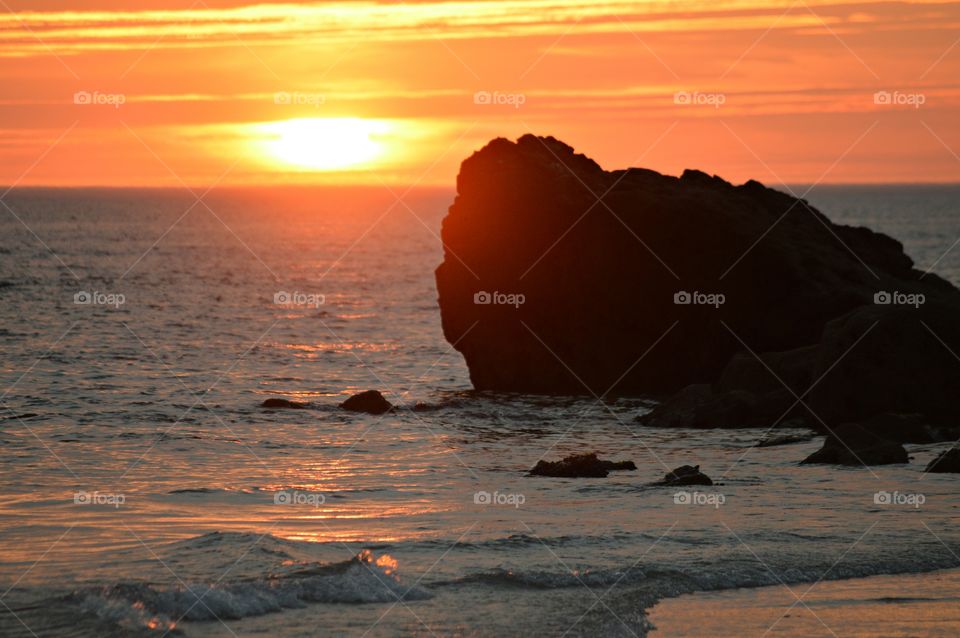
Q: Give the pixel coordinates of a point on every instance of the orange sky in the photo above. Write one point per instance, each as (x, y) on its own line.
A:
(198, 93)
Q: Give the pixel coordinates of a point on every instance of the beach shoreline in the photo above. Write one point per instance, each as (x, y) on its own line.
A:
(891, 606)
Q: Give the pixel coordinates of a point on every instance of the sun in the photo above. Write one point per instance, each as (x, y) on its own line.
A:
(325, 144)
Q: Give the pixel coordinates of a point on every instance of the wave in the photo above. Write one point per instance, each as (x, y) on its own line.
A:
(702, 577)
(366, 578)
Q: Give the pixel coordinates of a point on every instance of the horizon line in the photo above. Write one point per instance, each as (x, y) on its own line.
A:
(8, 188)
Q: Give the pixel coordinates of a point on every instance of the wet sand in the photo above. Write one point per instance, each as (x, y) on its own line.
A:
(879, 606)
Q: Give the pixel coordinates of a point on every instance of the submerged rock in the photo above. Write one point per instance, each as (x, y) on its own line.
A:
(580, 466)
(852, 444)
(278, 404)
(699, 406)
(666, 283)
(617, 466)
(946, 461)
(784, 439)
(371, 402)
(907, 428)
(685, 475)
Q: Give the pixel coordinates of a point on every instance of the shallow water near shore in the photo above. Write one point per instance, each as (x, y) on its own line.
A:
(144, 490)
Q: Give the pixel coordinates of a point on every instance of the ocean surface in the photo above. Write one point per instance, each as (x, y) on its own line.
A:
(143, 491)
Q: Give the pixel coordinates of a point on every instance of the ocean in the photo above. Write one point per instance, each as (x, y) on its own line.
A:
(145, 492)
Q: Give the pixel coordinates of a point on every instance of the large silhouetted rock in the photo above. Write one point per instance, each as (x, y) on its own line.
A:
(562, 278)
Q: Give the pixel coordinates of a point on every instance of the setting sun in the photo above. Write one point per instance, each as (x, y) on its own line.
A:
(325, 144)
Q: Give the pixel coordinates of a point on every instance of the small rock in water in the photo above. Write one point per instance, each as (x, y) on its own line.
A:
(580, 466)
(283, 404)
(851, 444)
(371, 402)
(946, 461)
(686, 475)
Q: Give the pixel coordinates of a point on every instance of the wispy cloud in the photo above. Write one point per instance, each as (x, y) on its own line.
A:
(72, 32)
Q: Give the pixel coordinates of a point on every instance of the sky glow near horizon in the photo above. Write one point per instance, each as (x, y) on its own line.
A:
(364, 92)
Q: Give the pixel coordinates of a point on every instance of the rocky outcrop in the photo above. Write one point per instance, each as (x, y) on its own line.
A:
(371, 402)
(562, 278)
(947, 461)
(852, 444)
(580, 466)
(685, 475)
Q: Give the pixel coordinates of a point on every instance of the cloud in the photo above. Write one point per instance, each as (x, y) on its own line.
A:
(30, 33)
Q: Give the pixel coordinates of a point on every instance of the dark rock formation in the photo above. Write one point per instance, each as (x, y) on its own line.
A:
(580, 466)
(371, 402)
(278, 404)
(946, 461)
(562, 278)
(685, 475)
(852, 444)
